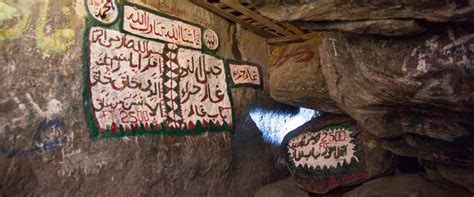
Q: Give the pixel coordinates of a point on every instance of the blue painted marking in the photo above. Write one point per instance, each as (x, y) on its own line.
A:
(48, 144)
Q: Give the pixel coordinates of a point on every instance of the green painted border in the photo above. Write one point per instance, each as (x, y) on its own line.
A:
(325, 172)
(141, 129)
(231, 82)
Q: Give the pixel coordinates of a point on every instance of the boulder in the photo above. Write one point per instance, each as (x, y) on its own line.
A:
(349, 10)
(382, 17)
(387, 27)
(282, 188)
(417, 91)
(429, 149)
(296, 77)
(333, 151)
(460, 175)
(407, 185)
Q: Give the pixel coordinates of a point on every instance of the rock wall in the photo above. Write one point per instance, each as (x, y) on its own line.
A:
(415, 87)
(391, 18)
(296, 77)
(45, 143)
(402, 70)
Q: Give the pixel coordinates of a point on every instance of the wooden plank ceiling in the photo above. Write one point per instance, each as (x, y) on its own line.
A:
(247, 16)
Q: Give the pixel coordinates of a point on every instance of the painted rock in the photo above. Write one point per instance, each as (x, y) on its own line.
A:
(333, 151)
(296, 77)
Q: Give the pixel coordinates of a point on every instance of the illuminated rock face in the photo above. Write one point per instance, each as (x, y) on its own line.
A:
(333, 151)
(274, 125)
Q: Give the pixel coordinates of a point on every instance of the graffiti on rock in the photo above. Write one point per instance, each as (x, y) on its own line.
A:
(203, 88)
(21, 113)
(105, 11)
(245, 74)
(330, 147)
(152, 77)
(136, 81)
(10, 11)
(58, 41)
(297, 54)
(48, 136)
(146, 24)
(210, 39)
(326, 158)
(16, 119)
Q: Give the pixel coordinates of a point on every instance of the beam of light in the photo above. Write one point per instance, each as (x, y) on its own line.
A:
(274, 125)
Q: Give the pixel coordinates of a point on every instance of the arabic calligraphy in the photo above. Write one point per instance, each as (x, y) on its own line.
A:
(245, 74)
(142, 23)
(326, 148)
(135, 81)
(105, 11)
(210, 39)
(125, 78)
(203, 89)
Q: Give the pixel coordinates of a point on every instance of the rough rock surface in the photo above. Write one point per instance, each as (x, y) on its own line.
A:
(296, 77)
(283, 188)
(429, 149)
(414, 93)
(460, 175)
(388, 27)
(429, 10)
(420, 88)
(45, 149)
(333, 151)
(389, 18)
(407, 185)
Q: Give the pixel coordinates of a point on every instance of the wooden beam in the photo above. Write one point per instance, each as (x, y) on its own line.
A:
(232, 18)
(246, 11)
(292, 28)
(243, 17)
(220, 5)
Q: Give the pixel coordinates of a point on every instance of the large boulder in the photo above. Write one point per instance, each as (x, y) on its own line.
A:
(338, 10)
(296, 77)
(390, 18)
(460, 175)
(388, 27)
(407, 185)
(417, 91)
(282, 188)
(430, 149)
(333, 151)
